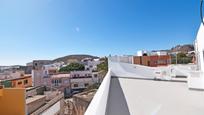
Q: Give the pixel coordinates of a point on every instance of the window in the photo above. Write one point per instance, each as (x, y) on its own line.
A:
(26, 81)
(75, 85)
(46, 72)
(56, 82)
(60, 81)
(19, 83)
(86, 84)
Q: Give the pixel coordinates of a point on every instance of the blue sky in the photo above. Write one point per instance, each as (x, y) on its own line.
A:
(46, 29)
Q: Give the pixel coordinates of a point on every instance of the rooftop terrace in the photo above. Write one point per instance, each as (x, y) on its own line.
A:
(150, 97)
(131, 89)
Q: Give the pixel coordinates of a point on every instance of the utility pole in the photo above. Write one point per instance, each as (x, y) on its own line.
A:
(176, 58)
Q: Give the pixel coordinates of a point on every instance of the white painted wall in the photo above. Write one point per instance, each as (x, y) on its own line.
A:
(81, 82)
(141, 52)
(99, 101)
(199, 46)
(123, 59)
(196, 78)
(80, 73)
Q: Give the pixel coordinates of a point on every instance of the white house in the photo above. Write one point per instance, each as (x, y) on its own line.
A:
(141, 53)
(90, 64)
(82, 79)
(51, 68)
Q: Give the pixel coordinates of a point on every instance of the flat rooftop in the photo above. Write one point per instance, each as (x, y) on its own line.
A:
(132, 96)
(34, 98)
(130, 89)
(86, 96)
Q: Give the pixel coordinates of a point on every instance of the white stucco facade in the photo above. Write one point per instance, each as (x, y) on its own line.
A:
(199, 47)
(196, 78)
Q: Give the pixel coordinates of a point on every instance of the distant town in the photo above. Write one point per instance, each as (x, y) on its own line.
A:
(70, 82)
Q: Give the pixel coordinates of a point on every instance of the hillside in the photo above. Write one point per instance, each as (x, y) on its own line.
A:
(182, 48)
(73, 58)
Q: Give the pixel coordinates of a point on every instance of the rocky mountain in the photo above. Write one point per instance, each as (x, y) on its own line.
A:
(73, 58)
(179, 48)
(183, 48)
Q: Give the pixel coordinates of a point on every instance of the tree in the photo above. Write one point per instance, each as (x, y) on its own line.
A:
(102, 68)
(181, 58)
(72, 67)
(181, 55)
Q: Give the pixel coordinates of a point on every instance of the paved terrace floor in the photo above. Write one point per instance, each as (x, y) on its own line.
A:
(129, 96)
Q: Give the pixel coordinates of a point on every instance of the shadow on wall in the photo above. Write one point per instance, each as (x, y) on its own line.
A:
(117, 104)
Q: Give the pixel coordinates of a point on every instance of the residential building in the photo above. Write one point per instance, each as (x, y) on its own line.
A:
(37, 77)
(32, 101)
(28, 68)
(71, 83)
(43, 70)
(90, 64)
(62, 82)
(37, 71)
(141, 53)
(21, 82)
(10, 74)
(9, 97)
(37, 64)
(80, 80)
(51, 68)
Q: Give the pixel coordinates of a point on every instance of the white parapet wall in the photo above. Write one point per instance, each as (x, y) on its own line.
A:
(124, 59)
(199, 48)
(196, 79)
(99, 102)
(127, 70)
